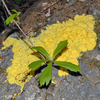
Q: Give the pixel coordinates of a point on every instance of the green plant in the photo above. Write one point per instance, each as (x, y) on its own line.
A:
(10, 19)
(46, 75)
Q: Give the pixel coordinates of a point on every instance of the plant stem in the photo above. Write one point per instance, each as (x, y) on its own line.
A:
(17, 23)
(20, 27)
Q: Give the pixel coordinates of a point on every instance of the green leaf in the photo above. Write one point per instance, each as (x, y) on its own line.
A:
(14, 10)
(17, 12)
(68, 65)
(34, 65)
(46, 75)
(42, 50)
(60, 46)
(10, 19)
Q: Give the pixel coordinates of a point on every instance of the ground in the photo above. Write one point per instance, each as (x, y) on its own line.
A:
(78, 86)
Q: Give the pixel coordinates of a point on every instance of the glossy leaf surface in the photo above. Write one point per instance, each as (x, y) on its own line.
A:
(42, 51)
(60, 46)
(46, 75)
(34, 65)
(68, 65)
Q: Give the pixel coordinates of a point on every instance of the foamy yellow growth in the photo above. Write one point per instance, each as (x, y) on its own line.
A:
(5, 96)
(62, 72)
(3, 82)
(15, 95)
(21, 59)
(52, 81)
(79, 33)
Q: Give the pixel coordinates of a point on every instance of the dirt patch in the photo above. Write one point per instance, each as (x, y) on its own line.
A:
(42, 12)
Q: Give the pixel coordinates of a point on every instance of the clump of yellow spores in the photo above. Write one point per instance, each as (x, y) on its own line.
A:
(79, 33)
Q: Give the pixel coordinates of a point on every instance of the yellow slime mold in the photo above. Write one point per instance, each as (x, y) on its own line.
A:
(79, 33)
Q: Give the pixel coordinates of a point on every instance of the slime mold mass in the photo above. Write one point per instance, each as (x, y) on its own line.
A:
(79, 33)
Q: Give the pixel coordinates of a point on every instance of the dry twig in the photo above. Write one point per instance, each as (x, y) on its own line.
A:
(20, 27)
